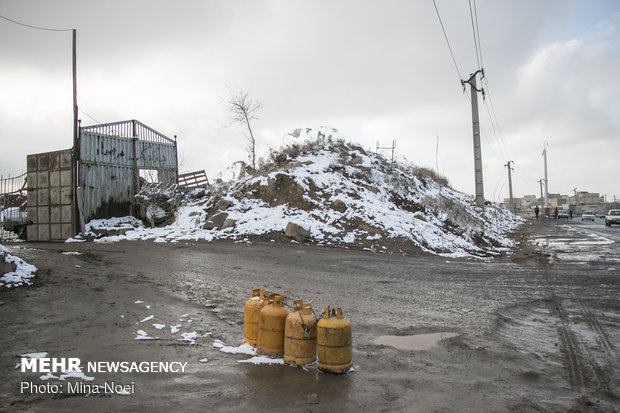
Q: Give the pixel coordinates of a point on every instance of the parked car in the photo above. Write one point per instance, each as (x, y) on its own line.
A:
(563, 214)
(613, 217)
(15, 219)
(588, 215)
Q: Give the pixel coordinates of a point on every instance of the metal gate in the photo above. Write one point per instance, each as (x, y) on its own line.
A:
(13, 207)
(50, 196)
(110, 160)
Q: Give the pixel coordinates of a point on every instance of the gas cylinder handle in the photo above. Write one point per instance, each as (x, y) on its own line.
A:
(255, 292)
(278, 300)
(340, 313)
(297, 305)
(326, 313)
(264, 295)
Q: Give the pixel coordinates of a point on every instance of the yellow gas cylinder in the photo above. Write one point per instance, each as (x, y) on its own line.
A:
(300, 335)
(271, 327)
(334, 343)
(251, 315)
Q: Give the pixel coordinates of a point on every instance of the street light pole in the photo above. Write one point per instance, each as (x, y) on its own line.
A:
(546, 181)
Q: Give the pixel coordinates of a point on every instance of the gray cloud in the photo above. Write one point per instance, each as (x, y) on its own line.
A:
(377, 71)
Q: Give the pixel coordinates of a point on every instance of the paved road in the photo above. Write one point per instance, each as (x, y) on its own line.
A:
(580, 241)
(535, 331)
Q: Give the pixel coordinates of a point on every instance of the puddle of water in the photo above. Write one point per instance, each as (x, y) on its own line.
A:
(416, 342)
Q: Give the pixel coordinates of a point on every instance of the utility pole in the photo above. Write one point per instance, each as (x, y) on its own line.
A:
(510, 185)
(437, 156)
(476, 129)
(540, 181)
(75, 107)
(79, 223)
(546, 181)
(575, 191)
(388, 147)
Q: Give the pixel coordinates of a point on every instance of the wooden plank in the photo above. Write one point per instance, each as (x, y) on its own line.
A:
(196, 179)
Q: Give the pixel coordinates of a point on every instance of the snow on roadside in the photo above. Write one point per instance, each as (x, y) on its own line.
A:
(22, 274)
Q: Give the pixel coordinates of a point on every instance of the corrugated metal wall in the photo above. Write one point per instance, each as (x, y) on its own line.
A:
(50, 196)
(109, 167)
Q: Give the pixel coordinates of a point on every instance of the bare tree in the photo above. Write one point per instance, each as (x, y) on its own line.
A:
(244, 108)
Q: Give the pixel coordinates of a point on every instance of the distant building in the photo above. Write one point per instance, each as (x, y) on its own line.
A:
(582, 201)
(584, 198)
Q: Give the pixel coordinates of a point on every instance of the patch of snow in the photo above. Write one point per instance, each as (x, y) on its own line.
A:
(48, 376)
(244, 348)
(75, 375)
(159, 326)
(34, 355)
(147, 318)
(23, 273)
(189, 337)
(262, 360)
(175, 329)
(142, 335)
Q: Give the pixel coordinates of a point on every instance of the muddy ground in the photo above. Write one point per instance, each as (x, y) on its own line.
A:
(535, 333)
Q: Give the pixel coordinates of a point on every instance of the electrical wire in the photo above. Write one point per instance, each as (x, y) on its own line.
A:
(478, 33)
(35, 27)
(473, 28)
(87, 115)
(447, 41)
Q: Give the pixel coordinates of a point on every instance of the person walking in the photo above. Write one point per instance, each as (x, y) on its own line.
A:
(536, 211)
(555, 213)
(570, 213)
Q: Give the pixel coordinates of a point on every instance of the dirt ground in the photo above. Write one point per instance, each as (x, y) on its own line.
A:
(534, 333)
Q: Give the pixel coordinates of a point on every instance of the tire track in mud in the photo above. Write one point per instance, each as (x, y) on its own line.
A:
(602, 336)
(569, 348)
(584, 373)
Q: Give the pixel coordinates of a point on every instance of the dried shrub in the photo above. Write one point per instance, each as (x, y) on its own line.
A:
(422, 173)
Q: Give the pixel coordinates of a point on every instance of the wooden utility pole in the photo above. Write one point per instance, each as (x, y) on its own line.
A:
(77, 195)
(476, 129)
(75, 107)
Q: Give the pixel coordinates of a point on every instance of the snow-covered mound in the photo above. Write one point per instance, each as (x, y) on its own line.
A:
(337, 194)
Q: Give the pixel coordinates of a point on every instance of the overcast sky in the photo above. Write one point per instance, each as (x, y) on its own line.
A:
(377, 71)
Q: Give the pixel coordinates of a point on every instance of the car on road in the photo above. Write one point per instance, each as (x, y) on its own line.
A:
(563, 214)
(613, 217)
(588, 215)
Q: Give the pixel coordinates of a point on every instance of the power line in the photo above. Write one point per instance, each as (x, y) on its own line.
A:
(35, 27)
(87, 115)
(473, 28)
(477, 31)
(447, 41)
